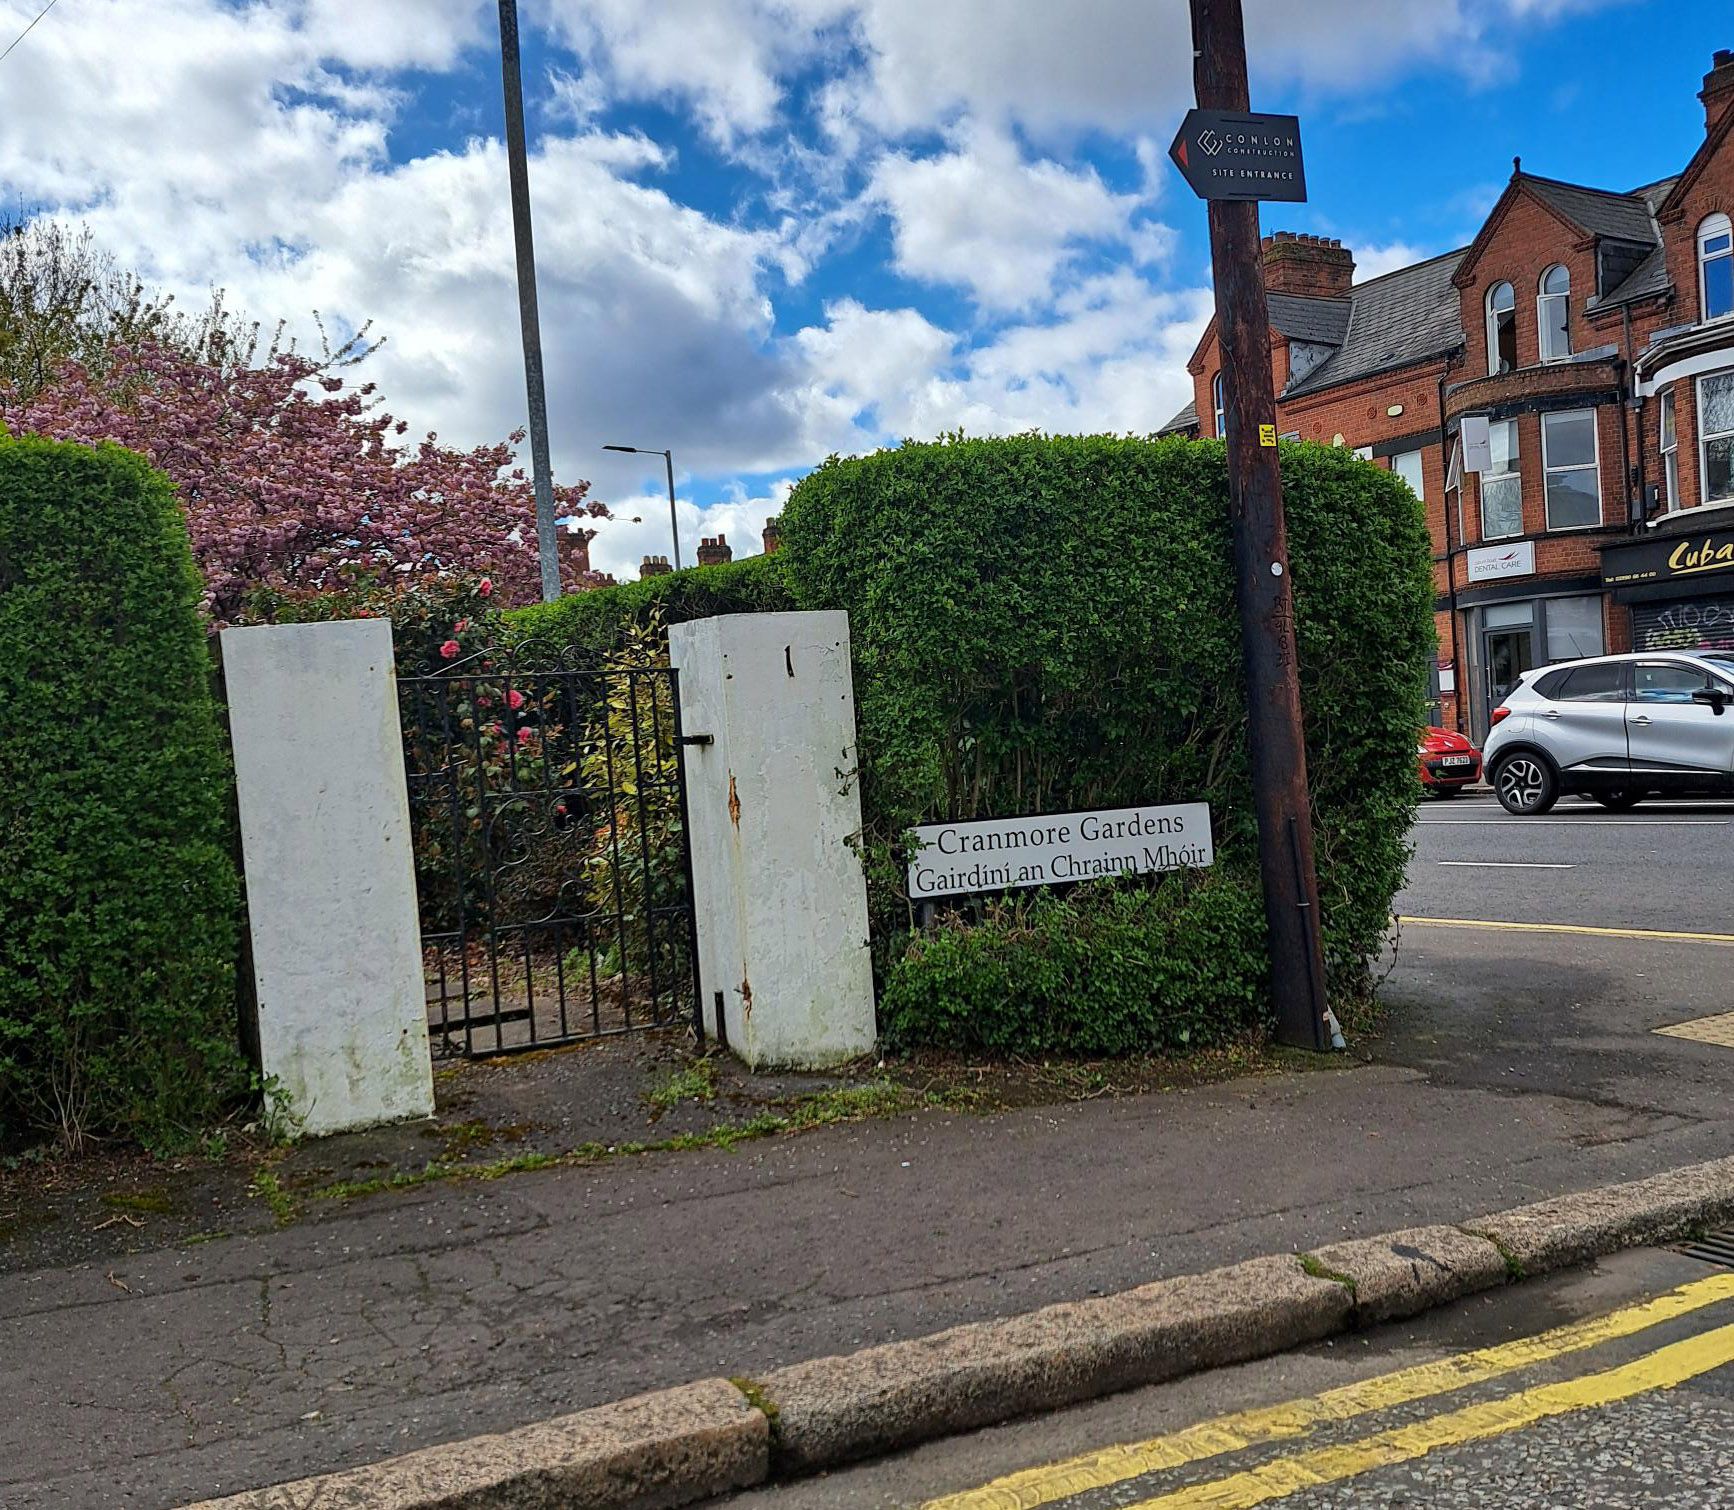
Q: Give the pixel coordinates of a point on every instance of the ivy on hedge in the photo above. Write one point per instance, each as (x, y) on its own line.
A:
(118, 892)
(1048, 624)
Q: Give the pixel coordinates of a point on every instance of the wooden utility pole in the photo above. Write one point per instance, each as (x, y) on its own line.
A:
(1262, 580)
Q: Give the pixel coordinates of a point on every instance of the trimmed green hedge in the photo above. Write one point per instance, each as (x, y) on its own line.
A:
(1047, 625)
(597, 621)
(118, 893)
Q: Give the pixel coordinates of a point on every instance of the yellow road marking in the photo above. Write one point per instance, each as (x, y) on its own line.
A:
(1718, 1030)
(1274, 1423)
(1610, 933)
(1663, 1369)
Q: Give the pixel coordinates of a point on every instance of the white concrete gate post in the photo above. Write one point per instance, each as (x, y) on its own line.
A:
(331, 901)
(773, 805)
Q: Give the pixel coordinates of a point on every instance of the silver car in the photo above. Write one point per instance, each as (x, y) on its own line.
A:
(1617, 729)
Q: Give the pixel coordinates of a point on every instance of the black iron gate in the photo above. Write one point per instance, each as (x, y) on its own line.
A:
(548, 811)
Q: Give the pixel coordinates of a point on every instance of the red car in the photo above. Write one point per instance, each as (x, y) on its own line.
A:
(1448, 762)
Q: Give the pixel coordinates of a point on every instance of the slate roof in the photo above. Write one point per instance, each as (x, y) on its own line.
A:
(1186, 419)
(1601, 212)
(1323, 322)
(1394, 320)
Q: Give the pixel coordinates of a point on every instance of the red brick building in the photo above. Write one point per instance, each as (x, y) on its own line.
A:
(1593, 330)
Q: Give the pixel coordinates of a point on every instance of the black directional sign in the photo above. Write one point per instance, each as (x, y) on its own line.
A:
(1230, 154)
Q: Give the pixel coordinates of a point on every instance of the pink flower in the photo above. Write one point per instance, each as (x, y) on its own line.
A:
(524, 736)
(449, 649)
(460, 626)
(514, 700)
(485, 587)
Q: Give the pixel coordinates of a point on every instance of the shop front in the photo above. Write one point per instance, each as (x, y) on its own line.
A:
(1514, 622)
(1679, 587)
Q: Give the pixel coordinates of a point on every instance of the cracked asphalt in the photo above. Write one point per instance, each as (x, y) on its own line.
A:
(1512, 1066)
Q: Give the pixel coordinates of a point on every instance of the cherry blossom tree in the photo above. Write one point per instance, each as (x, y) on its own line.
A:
(293, 475)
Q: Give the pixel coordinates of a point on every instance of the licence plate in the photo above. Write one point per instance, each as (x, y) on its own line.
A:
(1457, 760)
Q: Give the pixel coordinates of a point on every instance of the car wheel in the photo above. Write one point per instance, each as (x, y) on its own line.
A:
(1526, 785)
(1620, 801)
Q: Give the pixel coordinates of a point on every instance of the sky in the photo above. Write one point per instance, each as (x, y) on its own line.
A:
(768, 231)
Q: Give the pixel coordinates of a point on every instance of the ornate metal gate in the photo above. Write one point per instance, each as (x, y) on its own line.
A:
(548, 809)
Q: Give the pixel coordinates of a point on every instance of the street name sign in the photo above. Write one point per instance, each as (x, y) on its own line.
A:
(1231, 154)
(1005, 854)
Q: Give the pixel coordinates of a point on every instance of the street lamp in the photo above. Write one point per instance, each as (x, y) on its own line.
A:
(668, 458)
(541, 473)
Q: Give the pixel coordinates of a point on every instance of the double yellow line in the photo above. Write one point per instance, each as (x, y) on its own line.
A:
(1662, 1369)
(1569, 928)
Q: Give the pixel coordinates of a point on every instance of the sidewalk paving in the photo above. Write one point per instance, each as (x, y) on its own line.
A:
(451, 1308)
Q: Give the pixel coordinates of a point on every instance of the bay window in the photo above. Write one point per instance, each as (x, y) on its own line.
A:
(1568, 461)
(1716, 437)
(1502, 488)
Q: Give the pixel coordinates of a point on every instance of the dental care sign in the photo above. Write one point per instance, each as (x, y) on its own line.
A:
(1003, 854)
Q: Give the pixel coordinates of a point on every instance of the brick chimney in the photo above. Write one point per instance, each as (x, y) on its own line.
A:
(1718, 91)
(773, 536)
(1299, 264)
(714, 552)
(574, 558)
(654, 566)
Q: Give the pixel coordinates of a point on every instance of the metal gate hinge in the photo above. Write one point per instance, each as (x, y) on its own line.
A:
(695, 739)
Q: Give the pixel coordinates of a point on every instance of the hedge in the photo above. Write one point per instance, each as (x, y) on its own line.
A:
(1047, 625)
(598, 621)
(118, 892)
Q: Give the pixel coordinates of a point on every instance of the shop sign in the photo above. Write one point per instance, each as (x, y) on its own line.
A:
(1671, 558)
(1492, 563)
(1005, 854)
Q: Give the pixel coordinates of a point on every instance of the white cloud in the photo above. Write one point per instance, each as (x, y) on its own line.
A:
(1110, 359)
(725, 58)
(981, 217)
(1372, 261)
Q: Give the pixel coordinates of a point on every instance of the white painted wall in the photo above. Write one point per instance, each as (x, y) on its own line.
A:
(342, 1016)
(781, 900)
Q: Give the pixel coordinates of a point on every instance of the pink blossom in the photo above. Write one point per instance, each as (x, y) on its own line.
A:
(460, 626)
(449, 649)
(292, 475)
(514, 700)
(524, 736)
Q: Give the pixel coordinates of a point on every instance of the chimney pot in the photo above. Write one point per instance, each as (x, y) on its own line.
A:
(1308, 264)
(1717, 94)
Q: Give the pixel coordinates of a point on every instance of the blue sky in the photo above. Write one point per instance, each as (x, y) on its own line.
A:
(772, 229)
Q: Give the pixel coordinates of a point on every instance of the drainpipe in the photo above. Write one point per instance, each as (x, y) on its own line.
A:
(1458, 669)
(1637, 407)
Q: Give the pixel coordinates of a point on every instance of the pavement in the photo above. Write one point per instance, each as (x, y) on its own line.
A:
(1603, 1388)
(1514, 1065)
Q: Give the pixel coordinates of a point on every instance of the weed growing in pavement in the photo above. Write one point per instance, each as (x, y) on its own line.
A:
(854, 1103)
(692, 1082)
(269, 1189)
(1312, 1266)
(154, 1202)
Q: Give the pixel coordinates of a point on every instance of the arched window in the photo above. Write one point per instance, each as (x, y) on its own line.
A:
(1550, 314)
(1716, 267)
(1221, 410)
(1501, 328)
